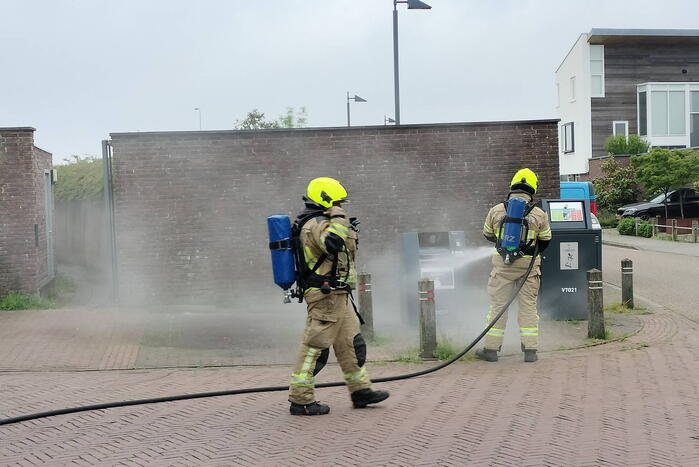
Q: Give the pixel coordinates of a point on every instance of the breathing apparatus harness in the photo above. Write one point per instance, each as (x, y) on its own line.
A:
(307, 277)
(511, 241)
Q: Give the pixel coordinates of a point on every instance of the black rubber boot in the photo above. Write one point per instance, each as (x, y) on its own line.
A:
(364, 397)
(530, 355)
(315, 408)
(489, 355)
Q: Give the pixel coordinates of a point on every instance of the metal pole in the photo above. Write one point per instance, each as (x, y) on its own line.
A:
(396, 86)
(595, 305)
(627, 283)
(428, 325)
(348, 110)
(109, 216)
(366, 304)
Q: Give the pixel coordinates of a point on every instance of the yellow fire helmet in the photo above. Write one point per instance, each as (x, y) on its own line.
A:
(325, 191)
(524, 179)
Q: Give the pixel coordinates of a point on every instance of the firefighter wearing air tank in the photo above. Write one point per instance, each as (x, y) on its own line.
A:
(515, 226)
(327, 247)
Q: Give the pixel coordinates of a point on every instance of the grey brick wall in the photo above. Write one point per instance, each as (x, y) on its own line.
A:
(191, 207)
(23, 265)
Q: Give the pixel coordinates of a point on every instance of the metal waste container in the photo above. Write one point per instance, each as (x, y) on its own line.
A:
(575, 248)
(435, 256)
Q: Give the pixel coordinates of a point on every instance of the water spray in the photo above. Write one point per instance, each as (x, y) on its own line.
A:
(109, 405)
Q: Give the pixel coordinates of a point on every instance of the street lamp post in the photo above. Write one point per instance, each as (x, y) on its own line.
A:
(412, 5)
(356, 98)
(199, 110)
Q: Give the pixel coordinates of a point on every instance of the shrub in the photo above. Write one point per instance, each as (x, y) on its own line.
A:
(606, 218)
(645, 229)
(616, 187)
(636, 145)
(627, 226)
(616, 144)
(620, 144)
(21, 301)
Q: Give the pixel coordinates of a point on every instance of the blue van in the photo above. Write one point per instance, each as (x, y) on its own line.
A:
(580, 190)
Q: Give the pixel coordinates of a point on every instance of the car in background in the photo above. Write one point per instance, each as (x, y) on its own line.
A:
(656, 206)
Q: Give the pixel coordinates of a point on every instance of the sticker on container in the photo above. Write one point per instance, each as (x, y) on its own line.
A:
(569, 255)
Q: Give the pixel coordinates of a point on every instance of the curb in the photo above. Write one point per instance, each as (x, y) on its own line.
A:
(621, 245)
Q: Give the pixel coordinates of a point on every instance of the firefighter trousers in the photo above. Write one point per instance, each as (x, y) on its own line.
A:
(503, 279)
(331, 321)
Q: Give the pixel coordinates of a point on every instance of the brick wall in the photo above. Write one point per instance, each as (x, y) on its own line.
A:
(23, 264)
(191, 207)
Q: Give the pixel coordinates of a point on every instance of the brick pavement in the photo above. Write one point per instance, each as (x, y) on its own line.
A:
(634, 402)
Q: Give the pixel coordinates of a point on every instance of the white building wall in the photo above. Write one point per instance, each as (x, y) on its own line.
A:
(577, 64)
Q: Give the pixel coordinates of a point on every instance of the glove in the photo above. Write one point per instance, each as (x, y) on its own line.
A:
(335, 211)
(354, 224)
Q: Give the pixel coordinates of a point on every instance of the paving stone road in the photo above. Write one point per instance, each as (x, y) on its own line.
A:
(634, 402)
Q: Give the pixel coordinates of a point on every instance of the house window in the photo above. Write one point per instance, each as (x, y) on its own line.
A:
(597, 70)
(558, 95)
(572, 88)
(667, 113)
(642, 114)
(620, 127)
(568, 138)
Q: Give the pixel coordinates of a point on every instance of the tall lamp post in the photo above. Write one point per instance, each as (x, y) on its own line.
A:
(356, 98)
(199, 110)
(412, 5)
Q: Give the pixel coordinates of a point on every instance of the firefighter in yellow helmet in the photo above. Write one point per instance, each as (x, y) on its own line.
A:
(535, 229)
(328, 241)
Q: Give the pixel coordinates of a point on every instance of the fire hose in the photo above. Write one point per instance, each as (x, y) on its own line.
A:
(110, 405)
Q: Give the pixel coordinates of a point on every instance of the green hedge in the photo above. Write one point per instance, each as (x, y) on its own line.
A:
(645, 229)
(627, 226)
(79, 179)
(606, 218)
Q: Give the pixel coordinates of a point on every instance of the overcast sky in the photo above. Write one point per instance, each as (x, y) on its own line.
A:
(78, 70)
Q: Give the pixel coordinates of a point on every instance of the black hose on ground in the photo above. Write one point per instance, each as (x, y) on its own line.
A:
(110, 405)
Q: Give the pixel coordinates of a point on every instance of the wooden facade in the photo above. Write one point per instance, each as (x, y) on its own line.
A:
(631, 61)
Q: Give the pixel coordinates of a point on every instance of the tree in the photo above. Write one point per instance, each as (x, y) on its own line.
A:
(79, 178)
(294, 119)
(255, 120)
(616, 187)
(664, 170)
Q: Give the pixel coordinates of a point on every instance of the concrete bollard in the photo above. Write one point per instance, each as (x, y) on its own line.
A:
(595, 305)
(428, 324)
(366, 304)
(636, 222)
(695, 231)
(627, 283)
(674, 230)
(654, 225)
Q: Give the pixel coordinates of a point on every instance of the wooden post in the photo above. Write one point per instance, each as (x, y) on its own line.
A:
(428, 325)
(654, 225)
(695, 231)
(366, 305)
(636, 221)
(595, 305)
(627, 283)
(674, 230)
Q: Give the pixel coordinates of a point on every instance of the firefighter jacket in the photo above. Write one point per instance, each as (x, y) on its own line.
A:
(329, 234)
